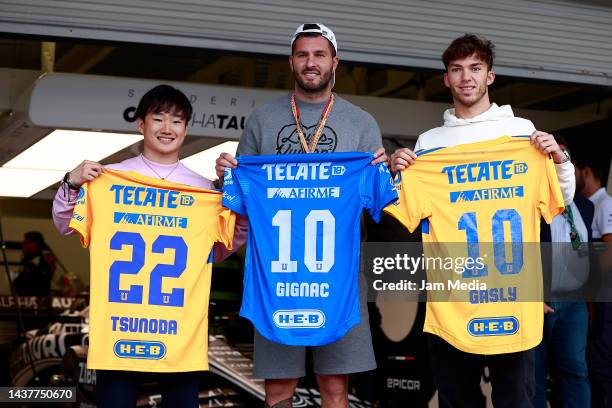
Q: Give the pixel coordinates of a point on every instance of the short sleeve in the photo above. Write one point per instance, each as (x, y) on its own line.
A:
(603, 216)
(248, 145)
(371, 138)
(233, 197)
(377, 189)
(413, 202)
(225, 227)
(82, 216)
(550, 197)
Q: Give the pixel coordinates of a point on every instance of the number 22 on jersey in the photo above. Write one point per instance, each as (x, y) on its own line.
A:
(134, 266)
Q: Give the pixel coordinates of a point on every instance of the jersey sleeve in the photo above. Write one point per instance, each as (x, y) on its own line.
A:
(225, 227)
(233, 198)
(82, 216)
(413, 202)
(550, 197)
(377, 189)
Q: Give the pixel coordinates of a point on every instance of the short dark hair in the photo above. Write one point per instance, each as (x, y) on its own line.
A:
(37, 237)
(598, 165)
(469, 44)
(164, 99)
(312, 35)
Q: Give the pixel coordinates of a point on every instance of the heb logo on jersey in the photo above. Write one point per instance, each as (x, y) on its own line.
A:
(493, 326)
(139, 349)
(299, 319)
(150, 197)
(484, 171)
(302, 171)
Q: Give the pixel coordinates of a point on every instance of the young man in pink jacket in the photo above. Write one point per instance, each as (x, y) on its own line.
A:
(162, 118)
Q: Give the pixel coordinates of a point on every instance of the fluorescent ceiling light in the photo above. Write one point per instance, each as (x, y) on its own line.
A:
(26, 182)
(45, 162)
(65, 149)
(203, 162)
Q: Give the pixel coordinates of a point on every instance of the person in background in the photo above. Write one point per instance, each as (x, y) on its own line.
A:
(566, 323)
(37, 266)
(589, 176)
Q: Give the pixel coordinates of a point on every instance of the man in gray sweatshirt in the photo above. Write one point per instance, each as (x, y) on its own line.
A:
(311, 119)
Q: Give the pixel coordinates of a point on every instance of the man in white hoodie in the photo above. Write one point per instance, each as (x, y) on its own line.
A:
(469, 72)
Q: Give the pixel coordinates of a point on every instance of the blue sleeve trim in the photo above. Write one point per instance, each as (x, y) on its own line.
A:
(423, 152)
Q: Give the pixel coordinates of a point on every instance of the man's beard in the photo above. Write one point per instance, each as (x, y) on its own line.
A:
(469, 101)
(312, 88)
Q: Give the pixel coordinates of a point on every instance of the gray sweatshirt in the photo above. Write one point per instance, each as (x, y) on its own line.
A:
(271, 128)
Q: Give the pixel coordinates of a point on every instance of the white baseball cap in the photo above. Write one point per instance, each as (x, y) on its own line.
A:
(317, 28)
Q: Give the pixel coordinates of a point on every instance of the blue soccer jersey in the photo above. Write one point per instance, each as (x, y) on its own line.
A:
(302, 261)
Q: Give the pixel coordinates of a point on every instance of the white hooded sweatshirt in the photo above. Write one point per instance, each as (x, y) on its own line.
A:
(495, 122)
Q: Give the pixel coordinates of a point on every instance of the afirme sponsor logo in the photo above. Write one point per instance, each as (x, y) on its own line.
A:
(493, 326)
(299, 319)
(140, 349)
(484, 171)
(499, 193)
(302, 171)
(304, 193)
(153, 220)
(150, 197)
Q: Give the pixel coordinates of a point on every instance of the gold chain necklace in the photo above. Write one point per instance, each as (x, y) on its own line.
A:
(156, 173)
(310, 148)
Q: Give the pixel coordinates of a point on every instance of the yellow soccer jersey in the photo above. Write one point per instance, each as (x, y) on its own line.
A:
(483, 200)
(150, 247)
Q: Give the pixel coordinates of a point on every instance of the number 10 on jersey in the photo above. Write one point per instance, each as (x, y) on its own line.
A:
(283, 220)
